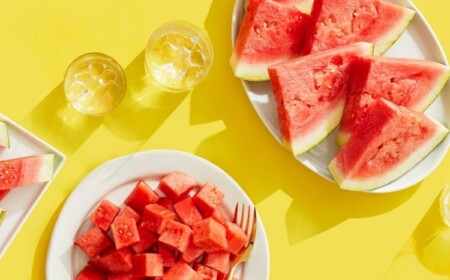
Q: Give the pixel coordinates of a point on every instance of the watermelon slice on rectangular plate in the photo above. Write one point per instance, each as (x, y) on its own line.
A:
(40, 161)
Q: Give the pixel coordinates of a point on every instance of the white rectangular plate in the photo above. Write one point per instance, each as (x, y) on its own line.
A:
(20, 201)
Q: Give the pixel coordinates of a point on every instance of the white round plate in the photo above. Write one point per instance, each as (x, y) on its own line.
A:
(114, 180)
(418, 41)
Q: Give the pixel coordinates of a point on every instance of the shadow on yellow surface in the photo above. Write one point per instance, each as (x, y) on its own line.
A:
(317, 205)
(39, 261)
(142, 111)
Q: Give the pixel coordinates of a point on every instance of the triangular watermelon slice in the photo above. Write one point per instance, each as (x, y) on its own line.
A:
(310, 92)
(270, 32)
(336, 23)
(391, 141)
(411, 83)
(4, 136)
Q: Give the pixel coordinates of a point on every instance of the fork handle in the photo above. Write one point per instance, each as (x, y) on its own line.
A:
(232, 269)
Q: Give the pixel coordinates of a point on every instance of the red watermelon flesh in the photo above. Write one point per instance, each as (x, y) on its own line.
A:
(310, 92)
(147, 265)
(165, 202)
(90, 273)
(25, 171)
(128, 213)
(177, 185)
(180, 271)
(168, 257)
(187, 211)
(93, 241)
(270, 33)
(122, 276)
(210, 236)
(208, 198)
(155, 217)
(192, 253)
(219, 261)
(176, 235)
(125, 233)
(104, 215)
(236, 238)
(114, 261)
(146, 240)
(141, 195)
(411, 83)
(205, 273)
(389, 142)
(337, 23)
(4, 193)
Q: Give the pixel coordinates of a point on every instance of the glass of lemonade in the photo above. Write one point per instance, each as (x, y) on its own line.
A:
(94, 84)
(178, 56)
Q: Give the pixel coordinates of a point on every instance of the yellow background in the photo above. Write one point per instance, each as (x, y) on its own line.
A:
(315, 231)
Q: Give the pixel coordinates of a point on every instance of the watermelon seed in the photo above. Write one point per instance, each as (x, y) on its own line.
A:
(130, 234)
(274, 24)
(355, 14)
(120, 231)
(258, 31)
(6, 172)
(265, 24)
(6, 181)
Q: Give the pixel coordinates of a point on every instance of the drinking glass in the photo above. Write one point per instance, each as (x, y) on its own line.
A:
(94, 84)
(178, 56)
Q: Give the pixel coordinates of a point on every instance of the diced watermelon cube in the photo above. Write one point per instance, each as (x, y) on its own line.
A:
(90, 273)
(124, 233)
(93, 241)
(165, 202)
(114, 261)
(187, 211)
(168, 257)
(122, 276)
(104, 215)
(236, 238)
(147, 265)
(219, 261)
(192, 253)
(177, 185)
(147, 239)
(175, 235)
(205, 273)
(141, 195)
(155, 217)
(208, 198)
(216, 215)
(128, 213)
(4, 193)
(210, 236)
(180, 271)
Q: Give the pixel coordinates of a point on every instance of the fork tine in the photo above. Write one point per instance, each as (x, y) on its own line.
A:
(241, 222)
(247, 227)
(235, 216)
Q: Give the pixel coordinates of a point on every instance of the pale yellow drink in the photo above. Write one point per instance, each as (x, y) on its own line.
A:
(178, 56)
(94, 84)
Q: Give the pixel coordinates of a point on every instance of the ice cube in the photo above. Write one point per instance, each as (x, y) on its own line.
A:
(95, 69)
(107, 76)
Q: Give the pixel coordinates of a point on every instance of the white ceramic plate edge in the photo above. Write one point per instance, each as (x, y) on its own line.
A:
(55, 267)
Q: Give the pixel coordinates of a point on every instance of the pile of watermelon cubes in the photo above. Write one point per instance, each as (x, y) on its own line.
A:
(180, 236)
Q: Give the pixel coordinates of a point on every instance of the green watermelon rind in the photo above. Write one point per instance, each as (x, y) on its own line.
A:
(394, 173)
(383, 44)
(342, 137)
(3, 213)
(4, 135)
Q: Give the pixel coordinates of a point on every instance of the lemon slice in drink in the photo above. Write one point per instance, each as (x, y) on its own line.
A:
(445, 205)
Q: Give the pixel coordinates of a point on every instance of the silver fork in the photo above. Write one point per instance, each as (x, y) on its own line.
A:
(249, 227)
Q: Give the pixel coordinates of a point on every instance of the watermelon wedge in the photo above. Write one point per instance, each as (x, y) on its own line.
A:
(391, 140)
(4, 136)
(270, 33)
(411, 83)
(25, 171)
(337, 23)
(310, 92)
